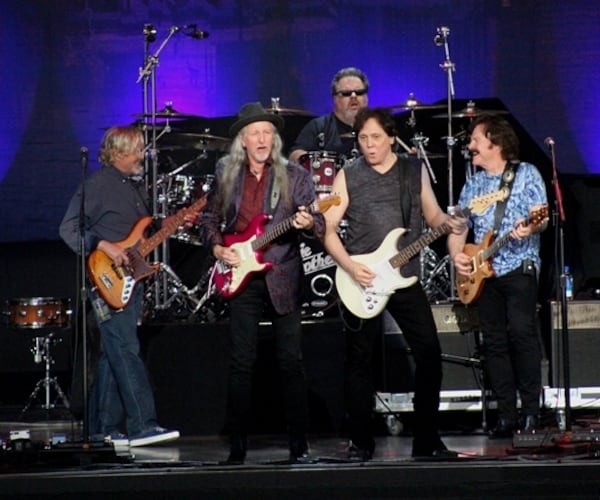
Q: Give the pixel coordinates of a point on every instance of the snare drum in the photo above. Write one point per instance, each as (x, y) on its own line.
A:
(38, 312)
(322, 165)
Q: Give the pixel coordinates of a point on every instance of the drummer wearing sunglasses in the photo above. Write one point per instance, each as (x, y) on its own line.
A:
(333, 132)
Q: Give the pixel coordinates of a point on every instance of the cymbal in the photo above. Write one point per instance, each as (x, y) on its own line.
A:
(288, 111)
(168, 112)
(472, 112)
(206, 142)
(413, 104)
(429, 154)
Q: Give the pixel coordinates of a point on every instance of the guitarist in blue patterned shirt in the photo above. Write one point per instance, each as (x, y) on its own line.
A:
(507, 298)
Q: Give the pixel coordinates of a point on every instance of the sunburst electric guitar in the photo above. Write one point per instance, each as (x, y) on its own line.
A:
(115, 284)
(229, 281)
(469, 287)
(386, 261)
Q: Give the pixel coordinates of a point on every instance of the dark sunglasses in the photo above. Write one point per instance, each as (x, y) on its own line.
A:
(348, 93)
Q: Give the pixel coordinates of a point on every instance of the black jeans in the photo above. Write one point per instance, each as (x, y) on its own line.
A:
(411, 311)
(511, 344)
(246, 311)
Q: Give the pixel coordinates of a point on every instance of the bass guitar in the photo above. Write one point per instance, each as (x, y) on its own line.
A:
(469, 287)
(386, 261)
(115, 284)
(228, 280)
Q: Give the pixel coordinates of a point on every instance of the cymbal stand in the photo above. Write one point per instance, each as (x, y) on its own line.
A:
(41, 352)
(441, 39)
(162, 285)
(419, 140)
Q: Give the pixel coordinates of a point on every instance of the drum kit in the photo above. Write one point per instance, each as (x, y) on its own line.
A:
(41, 316)
(183, 151)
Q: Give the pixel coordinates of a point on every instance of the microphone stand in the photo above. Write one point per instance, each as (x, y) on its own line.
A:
(448, 66)
(561, 290)
(83, 295)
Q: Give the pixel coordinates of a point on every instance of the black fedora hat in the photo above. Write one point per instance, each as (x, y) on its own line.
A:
(254, 112)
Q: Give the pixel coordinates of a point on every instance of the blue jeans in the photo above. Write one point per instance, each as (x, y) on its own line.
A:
(121, 399)
(246, 311)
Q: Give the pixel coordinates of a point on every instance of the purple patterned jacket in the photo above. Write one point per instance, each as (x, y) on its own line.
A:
(285, 279)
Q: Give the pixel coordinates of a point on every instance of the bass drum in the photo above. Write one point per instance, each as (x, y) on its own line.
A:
(320, 297)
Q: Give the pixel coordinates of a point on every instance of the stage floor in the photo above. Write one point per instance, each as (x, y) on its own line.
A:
(191, 467)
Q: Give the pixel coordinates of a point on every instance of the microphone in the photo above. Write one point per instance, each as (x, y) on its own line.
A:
(196, 33)
(442, 34)
(549, 142)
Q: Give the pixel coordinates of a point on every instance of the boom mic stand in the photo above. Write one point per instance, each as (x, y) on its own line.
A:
(561, 290)
(441, 39)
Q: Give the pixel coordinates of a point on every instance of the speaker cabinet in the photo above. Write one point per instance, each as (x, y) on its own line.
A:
(583, 324)
(458, 330)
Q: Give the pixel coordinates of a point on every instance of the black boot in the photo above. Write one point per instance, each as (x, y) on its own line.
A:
(505, 428)
(237, 449)
(298, 448)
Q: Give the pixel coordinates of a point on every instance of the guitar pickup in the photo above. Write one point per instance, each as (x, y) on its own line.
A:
(117, 270)
(106, 281)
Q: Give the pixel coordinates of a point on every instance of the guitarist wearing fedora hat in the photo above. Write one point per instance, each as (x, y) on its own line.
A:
(503, 277)
(259, 193)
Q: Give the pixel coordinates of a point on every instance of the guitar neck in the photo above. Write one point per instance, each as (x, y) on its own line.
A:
(169, 227)
(277, 230)
(407, 253)
(499, 243)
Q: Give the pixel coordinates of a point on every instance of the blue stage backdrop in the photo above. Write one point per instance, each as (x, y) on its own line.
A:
(71, 69)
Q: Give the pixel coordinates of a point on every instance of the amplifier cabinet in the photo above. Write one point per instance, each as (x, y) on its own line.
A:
(458, 331)
(583, 324)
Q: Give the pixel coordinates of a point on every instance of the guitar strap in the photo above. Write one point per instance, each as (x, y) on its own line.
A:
(275, 192)
(508, 177)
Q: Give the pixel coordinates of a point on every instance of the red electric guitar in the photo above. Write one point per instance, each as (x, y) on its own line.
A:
(229, 281)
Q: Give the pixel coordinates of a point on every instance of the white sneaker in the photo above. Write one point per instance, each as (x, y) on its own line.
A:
(117, 439)
(154, 436)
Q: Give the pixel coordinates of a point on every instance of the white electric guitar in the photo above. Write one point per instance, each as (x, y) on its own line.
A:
(386, 261)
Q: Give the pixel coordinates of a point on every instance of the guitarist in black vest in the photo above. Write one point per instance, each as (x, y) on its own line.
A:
(507, 300)
(121, 402)
(382, 191)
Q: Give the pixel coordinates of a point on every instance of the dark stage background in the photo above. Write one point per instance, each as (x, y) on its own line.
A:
(71, 66)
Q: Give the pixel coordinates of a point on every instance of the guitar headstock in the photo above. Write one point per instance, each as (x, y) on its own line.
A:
(538, 215)
(323, 204)
(480, 204)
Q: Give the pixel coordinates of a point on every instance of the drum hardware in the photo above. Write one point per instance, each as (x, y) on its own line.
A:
(203, 142)
(435, 280)
(41, 351)
(275, 108)
(166, 288)
(471, 112)
(420, 141)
